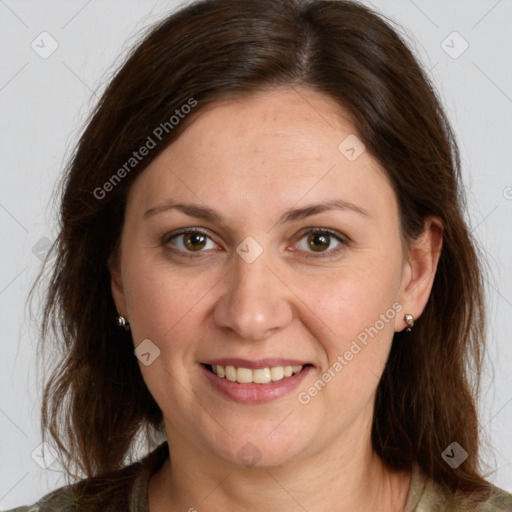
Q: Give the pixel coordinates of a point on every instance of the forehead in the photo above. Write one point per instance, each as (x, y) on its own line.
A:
(298, 124)
(265, 150)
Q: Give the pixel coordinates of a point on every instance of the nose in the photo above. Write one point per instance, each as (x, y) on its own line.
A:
(255, 302)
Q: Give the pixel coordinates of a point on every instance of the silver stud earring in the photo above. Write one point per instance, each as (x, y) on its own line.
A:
(409, 320)
(123, 323)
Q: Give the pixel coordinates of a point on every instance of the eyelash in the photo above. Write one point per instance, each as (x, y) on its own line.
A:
(317, 231)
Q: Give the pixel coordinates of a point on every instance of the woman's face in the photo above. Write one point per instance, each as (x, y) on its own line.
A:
(246, 277)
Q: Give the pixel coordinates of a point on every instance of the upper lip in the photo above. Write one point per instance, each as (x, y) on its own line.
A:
(268, 362)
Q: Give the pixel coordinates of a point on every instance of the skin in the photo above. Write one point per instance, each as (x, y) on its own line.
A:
(250, 160)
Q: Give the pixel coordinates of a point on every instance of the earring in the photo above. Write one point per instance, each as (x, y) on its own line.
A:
(122, 322)
(409, 320)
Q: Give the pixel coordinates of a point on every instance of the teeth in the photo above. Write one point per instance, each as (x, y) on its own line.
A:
(258, 376)
(262, 375)
(243, 375)
(277, 373)
(230, 373)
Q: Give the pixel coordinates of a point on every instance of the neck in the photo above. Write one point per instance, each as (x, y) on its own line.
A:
(344, 479)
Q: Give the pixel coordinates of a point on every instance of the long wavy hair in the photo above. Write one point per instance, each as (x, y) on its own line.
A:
(95, 402)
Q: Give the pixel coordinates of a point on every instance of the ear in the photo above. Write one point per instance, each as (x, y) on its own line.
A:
(116, 284)
(420, 269)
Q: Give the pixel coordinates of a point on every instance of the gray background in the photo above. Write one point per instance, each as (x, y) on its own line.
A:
(44, 102)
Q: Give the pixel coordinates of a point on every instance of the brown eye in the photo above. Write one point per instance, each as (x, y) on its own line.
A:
(318, 241)
(194, 241)
(323, 242)
(188, 241)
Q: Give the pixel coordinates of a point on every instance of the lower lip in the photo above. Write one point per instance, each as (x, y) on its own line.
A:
(255, 393)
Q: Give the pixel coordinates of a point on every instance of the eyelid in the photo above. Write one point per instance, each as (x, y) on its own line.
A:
(168, 236)
(332, 253)
(316, 229)
(343, 239)
(173, 234)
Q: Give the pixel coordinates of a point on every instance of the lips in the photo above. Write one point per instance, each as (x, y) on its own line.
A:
(248, 381)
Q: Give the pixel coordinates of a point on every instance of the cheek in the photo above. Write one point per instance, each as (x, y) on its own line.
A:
(166, 308)
(354, 321)
(350, 301)
(161, 303)
(336, 305)
(354, 314)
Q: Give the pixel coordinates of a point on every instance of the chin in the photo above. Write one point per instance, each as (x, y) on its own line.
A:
(258, 449)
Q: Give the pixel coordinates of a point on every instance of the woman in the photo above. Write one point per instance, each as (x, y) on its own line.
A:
(265, 210)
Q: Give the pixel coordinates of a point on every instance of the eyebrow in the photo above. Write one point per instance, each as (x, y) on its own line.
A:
(293, 214)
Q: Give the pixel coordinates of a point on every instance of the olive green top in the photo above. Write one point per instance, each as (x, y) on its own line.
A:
(131, 493)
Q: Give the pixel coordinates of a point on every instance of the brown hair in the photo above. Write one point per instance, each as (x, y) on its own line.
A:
(96, 402)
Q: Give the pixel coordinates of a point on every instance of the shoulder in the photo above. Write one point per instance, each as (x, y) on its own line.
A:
(113, 492)
(434, 499)
(110, 495)
(61, 499)
(498, 501)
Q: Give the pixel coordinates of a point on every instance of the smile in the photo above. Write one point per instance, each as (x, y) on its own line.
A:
(255, 381)
(256, 376)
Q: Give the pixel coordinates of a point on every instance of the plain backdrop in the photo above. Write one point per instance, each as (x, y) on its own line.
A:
(56, 57)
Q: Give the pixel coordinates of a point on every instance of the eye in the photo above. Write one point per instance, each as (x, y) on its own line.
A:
(186, 242)
(189, 241)
(320, 241)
